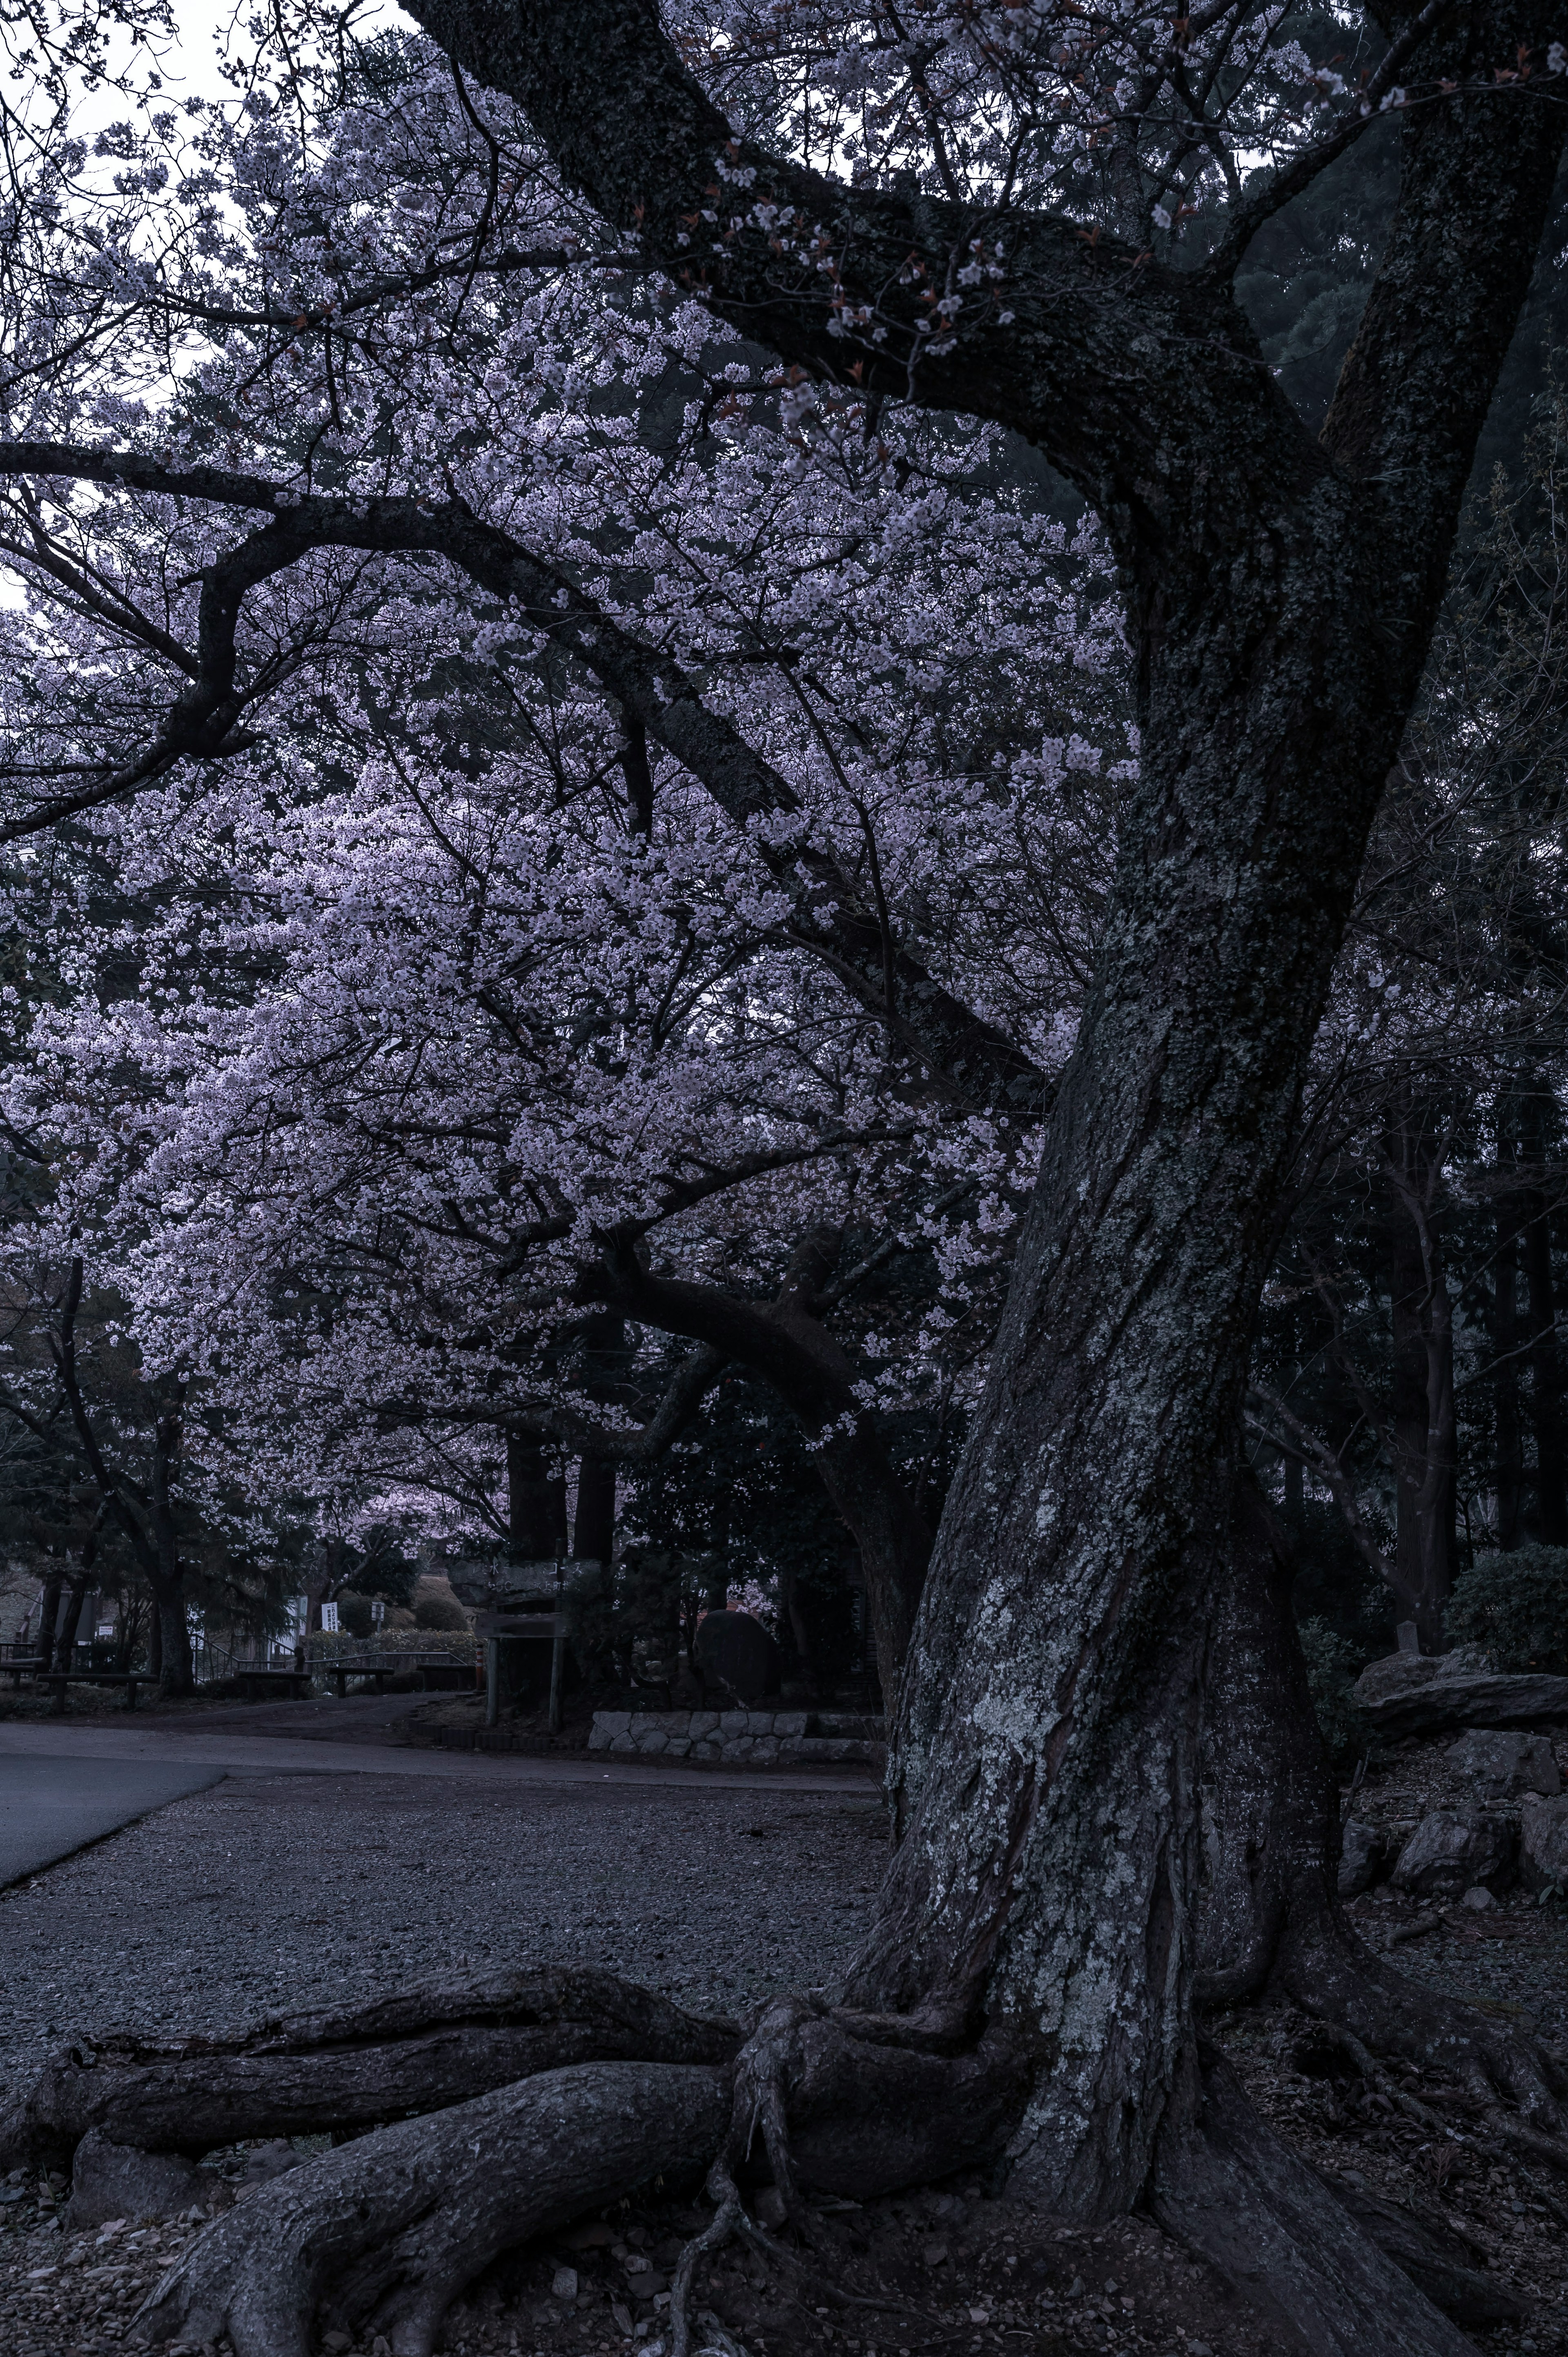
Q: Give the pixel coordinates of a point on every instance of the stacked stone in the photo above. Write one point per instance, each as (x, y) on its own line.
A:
(755, 1737)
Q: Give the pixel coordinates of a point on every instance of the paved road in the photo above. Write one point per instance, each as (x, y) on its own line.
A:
(52, 1803)
(196, 1748)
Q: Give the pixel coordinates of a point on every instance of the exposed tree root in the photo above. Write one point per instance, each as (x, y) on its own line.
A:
(731, 2224)
(1515, 2081)
(1226, 2186)
(871, 2102)
(1508, 2132)
(382, 2235)
(349, 2069)
(1438, 2266)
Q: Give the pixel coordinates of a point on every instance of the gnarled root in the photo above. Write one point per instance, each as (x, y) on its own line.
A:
(871, 2101)
(382, 2235)
(349, 2069)
(1514, 2090)
(850, 2103)
(1226, 2186)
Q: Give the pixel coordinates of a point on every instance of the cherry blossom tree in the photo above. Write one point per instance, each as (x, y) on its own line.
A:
(913, 235)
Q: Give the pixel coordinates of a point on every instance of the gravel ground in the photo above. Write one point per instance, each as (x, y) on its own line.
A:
(272, 1891)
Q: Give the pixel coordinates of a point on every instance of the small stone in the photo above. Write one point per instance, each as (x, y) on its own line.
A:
(1478, 1898)
(770, 2206)
(564, 2284)
(336, 2340)
(381, 2346)
(934, 2254)
(980, 2315)
(621, 2313)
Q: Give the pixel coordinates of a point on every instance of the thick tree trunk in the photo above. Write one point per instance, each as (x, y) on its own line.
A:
(1545, 1369)
(536, 1502)
(1425, 1431)
(173, 1664)
(593, 1535)
(49, 1619)
(1046, 1768)
(70, 1621)
(1507, 1428)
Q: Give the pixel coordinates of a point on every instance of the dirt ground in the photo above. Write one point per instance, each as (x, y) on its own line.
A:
(954, 2268)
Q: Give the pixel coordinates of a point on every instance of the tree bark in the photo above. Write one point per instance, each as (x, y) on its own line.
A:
(70, 1621)
(1507, 1428)
(1422, 1421)
(48, 1617)
(1545, 1356)
(428, 2047)
(536, 1502)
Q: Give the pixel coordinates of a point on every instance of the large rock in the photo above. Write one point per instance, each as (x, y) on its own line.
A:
(1502, 1766)
(1543, 1846)
(733, 1650)
(1394, 1674)
(1410, 1693)
(118, 2181)
(1454, 1849)
(1363, 1858)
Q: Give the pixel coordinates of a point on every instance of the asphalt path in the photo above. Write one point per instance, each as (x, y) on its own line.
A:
(207, 1753)
(52, 1803)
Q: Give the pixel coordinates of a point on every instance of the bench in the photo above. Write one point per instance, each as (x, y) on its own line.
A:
(22, 1668)
(447, 1675)
(60, 1679)
(254, 1683)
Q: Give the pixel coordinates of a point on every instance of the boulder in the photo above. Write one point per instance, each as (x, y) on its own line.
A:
(1394, 1674)
(1543, 1844)
(733, 1650)
(1363, 1858)
(1428, 1706)
(1454, 1849)
(1500, 1766)
(119, 2181)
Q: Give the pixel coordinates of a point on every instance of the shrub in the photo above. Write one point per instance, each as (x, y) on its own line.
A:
(354, 1614)
(1332, 1665)
(433, 1610)
(1516, 1607)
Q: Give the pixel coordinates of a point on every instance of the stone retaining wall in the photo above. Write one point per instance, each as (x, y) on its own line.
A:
(760, 1737)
